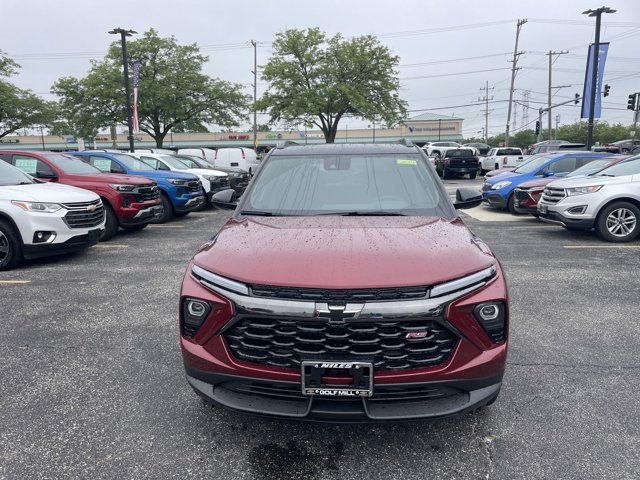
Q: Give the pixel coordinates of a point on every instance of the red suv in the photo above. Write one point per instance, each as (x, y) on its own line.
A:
(345, 288)
(130, 202)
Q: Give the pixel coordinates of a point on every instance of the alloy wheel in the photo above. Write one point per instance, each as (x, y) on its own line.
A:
(4, 247)
(621, 222)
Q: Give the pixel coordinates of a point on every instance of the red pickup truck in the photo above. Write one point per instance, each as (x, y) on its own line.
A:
(130, 202)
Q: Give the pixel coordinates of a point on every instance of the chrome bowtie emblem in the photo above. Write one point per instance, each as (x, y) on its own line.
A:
(91, 208)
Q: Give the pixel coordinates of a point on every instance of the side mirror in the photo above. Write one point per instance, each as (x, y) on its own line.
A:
(225, 199)
(467, 198)
(548, 173)
(46, 175)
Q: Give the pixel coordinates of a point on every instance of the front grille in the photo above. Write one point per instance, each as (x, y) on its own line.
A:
(84, 214)
(553, 194)
(321, 295)
(287, 342)
(381, 393)
(145, 193)
(220, 182)
(521, 194)
(194, 186)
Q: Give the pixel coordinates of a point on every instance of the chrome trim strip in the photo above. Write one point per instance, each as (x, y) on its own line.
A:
(463, 282)
(212, 278)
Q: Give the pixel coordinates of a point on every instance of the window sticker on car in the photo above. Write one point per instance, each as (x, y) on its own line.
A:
(27, 165)
(102, 164)
(406, 161)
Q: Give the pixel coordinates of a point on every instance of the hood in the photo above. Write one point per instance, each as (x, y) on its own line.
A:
(112, 178)
(495, 173)
(163, 174)
(344, 252)
(503, 177)
(207, 171)
(47, 192)
(590, 180)
(540, 183)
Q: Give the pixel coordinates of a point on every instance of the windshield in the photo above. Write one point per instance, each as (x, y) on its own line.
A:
(533, 163)
(133, 163)
(190, 161)
(70, 164)
(623, 168)
(10, 175)
(590, 168)
(173, 162)
(345, 185)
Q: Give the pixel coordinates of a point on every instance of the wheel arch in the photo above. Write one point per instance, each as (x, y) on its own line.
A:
(620, 198)
(4, 216)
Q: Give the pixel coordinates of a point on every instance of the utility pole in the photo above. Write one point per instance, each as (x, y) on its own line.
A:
(594, 71)
(550, 55)
(486, 99)
(514, 68)
(255, 93)
(123, 39)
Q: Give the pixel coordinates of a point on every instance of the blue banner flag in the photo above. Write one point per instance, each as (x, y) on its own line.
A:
(586, 93)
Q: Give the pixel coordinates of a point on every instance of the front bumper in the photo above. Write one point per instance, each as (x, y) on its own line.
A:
(574, 223)
(189, 204)
(401, 401)
(144, 215)
(494, 200)
(468, 378)
(72, 244)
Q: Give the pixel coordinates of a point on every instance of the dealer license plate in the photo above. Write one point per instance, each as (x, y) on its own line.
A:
(358, 378)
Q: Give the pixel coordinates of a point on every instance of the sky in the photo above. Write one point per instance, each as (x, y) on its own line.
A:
(448, 49)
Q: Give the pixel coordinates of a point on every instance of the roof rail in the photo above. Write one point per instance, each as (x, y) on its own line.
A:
(406, 142)
(287, 143)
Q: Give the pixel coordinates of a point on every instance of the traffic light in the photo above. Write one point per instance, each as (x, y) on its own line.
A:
(633, 101)
(537, 127)
(576, 99)
(606, 90)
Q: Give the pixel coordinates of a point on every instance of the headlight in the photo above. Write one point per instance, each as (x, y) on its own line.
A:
(37, 206)
(122, 188)
(212, 178)
(235, 175)
(582, 190)
(500, 185)
(178, 181)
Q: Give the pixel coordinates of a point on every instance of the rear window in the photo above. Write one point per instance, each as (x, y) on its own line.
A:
(460, 152)
(509, 151)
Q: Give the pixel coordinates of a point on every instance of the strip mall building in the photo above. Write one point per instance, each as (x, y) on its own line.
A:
(422, 128)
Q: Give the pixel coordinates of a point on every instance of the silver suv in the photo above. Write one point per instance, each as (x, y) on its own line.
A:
(608, 202)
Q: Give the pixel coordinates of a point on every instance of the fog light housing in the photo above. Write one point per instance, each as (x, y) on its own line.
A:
(194, 313)
(491, 316)
(43, 237)
(579, 210)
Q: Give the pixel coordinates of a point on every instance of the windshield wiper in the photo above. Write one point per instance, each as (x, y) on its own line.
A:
(605, 175)
(256, 212)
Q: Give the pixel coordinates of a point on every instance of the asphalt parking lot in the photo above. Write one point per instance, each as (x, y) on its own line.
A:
(93, 385)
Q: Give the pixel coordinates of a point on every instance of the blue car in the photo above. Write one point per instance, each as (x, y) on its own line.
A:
(181, 191)
(498, 191)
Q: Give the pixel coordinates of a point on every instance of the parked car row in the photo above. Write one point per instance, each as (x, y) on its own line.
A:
(576, 190)
(52, 203)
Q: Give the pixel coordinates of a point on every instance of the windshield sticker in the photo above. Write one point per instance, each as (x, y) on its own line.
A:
(27, 165)
(406, 161)
(102, 164)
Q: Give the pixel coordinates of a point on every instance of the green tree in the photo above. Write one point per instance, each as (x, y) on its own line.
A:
(19, 108)
(174, 94)
(318, 80)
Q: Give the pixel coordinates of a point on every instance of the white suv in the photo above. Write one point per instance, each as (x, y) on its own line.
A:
(39, 219)
(438, 149)
(608, 202)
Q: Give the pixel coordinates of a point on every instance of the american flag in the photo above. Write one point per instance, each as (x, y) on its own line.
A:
(136, 79)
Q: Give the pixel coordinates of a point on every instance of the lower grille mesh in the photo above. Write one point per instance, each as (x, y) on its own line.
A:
(287, 342)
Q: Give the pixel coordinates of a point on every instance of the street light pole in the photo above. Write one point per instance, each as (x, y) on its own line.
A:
(594, 68)
(123, 39)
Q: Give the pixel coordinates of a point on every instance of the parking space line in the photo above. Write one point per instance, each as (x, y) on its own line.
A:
(486, 214)
(111, 245)
(600, 246)
(165, 226)
(14, 282)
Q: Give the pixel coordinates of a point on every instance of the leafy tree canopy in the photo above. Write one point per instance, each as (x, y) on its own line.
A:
(174, 94)
(318, 80)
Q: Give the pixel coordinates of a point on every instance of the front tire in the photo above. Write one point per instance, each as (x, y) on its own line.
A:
(511, 205)
(618, 222)
(10, 246)
(111, 224)
(472, 176)
(167, 209)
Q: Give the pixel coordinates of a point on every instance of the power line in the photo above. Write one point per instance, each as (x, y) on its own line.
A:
(454, 74)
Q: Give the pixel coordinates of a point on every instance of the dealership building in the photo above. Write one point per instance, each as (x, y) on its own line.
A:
(419, 129)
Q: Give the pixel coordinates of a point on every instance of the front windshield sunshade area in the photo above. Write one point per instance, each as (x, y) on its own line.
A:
(322, 185)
